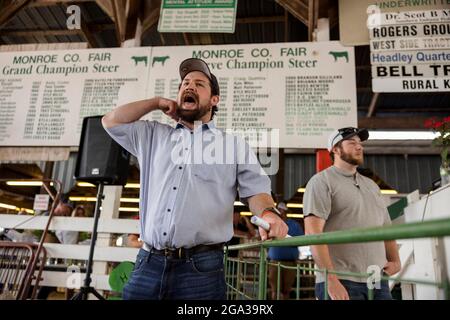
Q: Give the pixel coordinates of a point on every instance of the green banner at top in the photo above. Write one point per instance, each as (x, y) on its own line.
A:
(197, 16)
(186, 4)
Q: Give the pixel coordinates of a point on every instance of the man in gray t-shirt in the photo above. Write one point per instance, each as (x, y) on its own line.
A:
(339, 198)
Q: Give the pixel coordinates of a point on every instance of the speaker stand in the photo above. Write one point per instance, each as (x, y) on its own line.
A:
(86, 288)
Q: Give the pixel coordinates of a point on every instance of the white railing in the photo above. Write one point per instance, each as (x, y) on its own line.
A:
(425, 258)
(78, 251)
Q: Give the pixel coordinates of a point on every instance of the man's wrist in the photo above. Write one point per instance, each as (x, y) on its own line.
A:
(332, 277)
(270, 210)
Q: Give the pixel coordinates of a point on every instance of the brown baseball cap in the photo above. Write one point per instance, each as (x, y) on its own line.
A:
(194, 64)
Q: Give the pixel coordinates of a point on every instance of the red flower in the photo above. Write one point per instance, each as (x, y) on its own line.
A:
(438, 124)
(428, 123)
(447, 119)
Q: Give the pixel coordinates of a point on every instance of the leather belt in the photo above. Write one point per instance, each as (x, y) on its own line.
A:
(183, 253)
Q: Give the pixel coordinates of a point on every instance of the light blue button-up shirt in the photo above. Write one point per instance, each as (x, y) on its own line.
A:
(189, 181)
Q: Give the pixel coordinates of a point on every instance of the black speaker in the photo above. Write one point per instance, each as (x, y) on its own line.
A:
(100, 158)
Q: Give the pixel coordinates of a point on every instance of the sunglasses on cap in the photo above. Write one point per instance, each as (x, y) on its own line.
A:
(346, 133)
(348, 130)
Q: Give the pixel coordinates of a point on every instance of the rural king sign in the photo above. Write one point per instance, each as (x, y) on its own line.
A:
(410, 51)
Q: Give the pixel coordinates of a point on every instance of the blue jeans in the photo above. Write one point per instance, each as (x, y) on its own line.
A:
(358, 290)
(156, 277)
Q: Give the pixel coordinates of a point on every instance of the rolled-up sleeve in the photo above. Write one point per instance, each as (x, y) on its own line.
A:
(131, 135)
(251, 177)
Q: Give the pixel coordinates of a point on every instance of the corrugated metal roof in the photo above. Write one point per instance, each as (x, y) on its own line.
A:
(404, 173)
(53, 17)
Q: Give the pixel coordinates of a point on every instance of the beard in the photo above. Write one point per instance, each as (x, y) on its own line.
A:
(191, 115)
(347, 157)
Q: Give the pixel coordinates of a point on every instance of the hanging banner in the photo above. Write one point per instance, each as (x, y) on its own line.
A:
(197, 16)
(410, 51)
(294, 92)
(304, 90)
(44, 95)
(354, 16)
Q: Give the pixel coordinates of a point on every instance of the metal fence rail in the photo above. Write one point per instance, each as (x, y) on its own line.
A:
(238, 279)
(22, 263)
(19, 276)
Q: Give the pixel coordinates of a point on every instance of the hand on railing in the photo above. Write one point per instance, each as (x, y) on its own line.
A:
(271, 226)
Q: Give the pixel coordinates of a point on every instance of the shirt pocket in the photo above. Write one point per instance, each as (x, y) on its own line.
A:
(224, 174)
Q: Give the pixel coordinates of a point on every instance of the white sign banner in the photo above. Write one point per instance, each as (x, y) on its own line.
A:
(197, 16)
(422, 70)
(414, 30)
(408, 17)
(410, 57)
(410, 84)
(303, 89)
(427, 43)
(356, 15)
(41, 202)
(408, 52)
(44, 95)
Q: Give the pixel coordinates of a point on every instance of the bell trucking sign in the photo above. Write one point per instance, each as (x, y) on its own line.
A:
(410, 51)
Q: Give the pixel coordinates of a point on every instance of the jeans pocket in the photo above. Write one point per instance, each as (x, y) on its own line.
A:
(140, 260)
(208, 263)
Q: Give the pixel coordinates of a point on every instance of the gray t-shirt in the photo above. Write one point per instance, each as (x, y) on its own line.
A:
(348, 201)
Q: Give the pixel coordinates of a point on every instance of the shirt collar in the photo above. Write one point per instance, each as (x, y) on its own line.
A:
(205, 126)
(344, 173)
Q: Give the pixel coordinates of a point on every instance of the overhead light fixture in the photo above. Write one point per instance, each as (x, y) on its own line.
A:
(402, 135)
(128, 185)
(85, 184)
(93, 199)
(246, 213)
(388, 191)
(129, 209)
(294, 205)
(25, 183)
(238, 203)
(294, 215)
(134, 200)
(301, 190)
(83, 199)
(7, 206)
(133, 185)
(13, 207)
